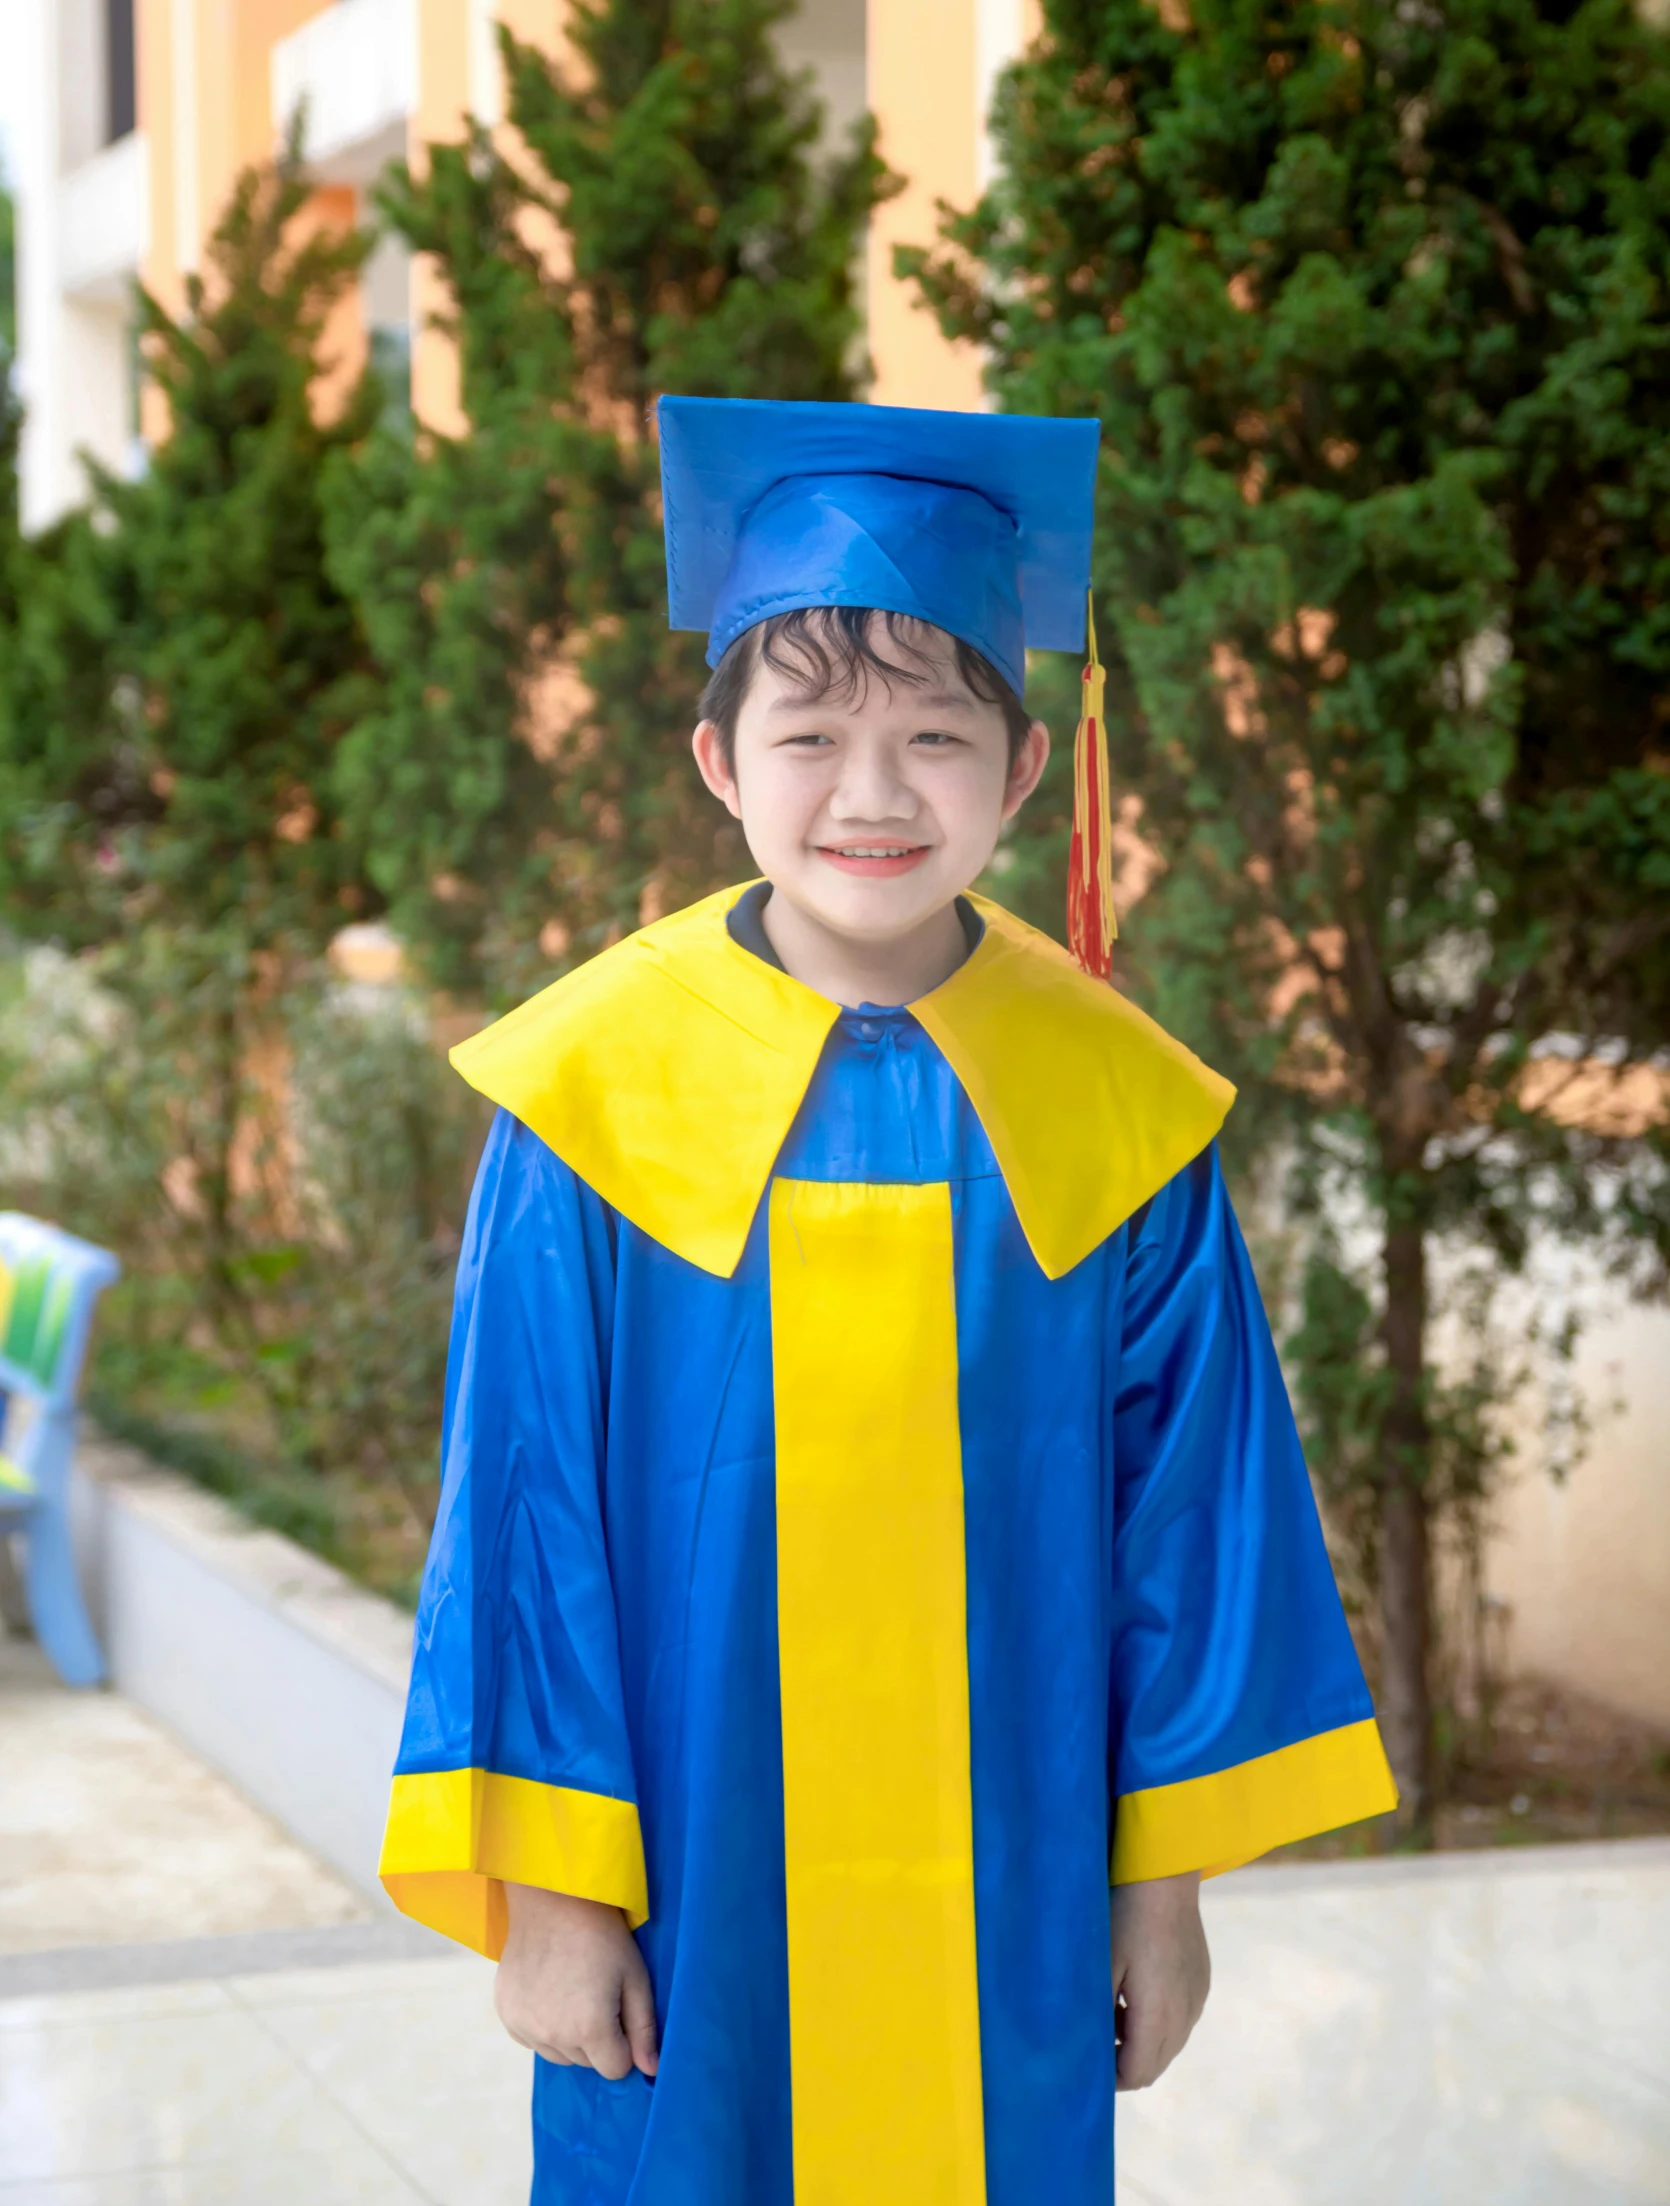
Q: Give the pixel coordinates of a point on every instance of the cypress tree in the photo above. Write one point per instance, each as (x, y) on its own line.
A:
(522, 785)
(179, 677)
(11, 423)
(1374, 304)
(187, 780)
(8, 276)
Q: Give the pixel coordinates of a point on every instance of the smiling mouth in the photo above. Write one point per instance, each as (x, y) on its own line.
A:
(875, 861)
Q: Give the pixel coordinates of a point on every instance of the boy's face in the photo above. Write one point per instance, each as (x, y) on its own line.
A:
(871, 811)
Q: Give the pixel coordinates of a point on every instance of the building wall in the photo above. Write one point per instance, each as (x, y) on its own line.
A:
(206, 108)
(1583, 1565)
(205, 102)
(80, 41)
(933, 67)
(82, 215)
(923, 61)
(828, 38)
(206, 97)
(164, 52)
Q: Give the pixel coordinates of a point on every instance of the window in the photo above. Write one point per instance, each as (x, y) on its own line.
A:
(120, 105)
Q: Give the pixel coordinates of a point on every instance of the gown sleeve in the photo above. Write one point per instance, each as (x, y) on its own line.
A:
(514, 1762)
(1240, 1718)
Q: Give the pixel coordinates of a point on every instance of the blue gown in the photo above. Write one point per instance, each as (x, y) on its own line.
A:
(1152, 1667)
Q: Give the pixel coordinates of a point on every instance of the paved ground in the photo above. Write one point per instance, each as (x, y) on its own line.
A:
(1486, 2029)
(111, 1831)
(1488, 2032)
(363, 2084)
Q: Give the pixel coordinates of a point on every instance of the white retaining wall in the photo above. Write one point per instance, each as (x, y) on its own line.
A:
(267, 1662)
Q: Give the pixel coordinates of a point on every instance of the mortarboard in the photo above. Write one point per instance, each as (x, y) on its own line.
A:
(979, 524)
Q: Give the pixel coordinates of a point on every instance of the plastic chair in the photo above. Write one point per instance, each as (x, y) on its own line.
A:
(49, 1282)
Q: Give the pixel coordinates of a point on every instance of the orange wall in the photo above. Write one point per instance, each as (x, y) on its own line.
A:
(921, 63)
(230, 128)
(444, 100)
(345, 344)
(231, 120)
(923, 68)
(153, 61)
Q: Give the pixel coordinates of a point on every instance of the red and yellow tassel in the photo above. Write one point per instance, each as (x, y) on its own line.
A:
(1091, 925)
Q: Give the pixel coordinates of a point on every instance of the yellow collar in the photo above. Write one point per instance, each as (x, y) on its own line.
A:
(668, 1070)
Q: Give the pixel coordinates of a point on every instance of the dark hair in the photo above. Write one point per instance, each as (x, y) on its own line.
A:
(829, 651)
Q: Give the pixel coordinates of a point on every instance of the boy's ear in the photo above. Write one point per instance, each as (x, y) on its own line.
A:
(1027, 768)
(715, 767)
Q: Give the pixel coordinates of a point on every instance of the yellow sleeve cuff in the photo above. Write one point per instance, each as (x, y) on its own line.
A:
(455, 1837)
(1218, 1822)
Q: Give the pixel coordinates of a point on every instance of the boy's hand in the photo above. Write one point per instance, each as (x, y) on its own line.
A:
(572, 1985)
(1161, 1973)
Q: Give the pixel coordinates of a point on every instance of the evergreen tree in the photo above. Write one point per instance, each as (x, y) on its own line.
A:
(1372, 301)
(11, 424)
(8, 275)
(522, 785)
(178, 681)
(189, 784)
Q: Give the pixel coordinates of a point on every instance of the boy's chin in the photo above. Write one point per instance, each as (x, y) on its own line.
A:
(873, 913)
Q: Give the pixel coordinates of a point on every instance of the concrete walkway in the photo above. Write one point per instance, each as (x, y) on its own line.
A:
(1478, 2030)
(196, 2012)
(110, 1831)
(1481, 2029)
(362, 2084)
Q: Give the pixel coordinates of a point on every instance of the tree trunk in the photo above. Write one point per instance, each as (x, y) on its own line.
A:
(1405, 1580)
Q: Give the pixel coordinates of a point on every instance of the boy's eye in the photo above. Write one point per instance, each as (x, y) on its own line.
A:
(937, 737)
(809, 741)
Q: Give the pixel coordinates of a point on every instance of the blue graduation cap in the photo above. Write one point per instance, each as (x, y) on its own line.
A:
(978, 523)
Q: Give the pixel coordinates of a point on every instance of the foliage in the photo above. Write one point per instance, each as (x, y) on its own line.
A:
(204, 768)
(8, 278)
(281, 1171)
(181, 678)
(1372, 302)
(353, 1300)
(523, 782)
(11, 541)
(347, 1202)
(11, 425)
(172, 763)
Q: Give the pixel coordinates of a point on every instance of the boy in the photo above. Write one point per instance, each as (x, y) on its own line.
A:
(871, 1509)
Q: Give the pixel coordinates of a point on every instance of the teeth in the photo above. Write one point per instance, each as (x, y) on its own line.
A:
(893, 850)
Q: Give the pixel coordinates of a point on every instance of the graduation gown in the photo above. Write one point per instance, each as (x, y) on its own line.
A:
(872, 1517)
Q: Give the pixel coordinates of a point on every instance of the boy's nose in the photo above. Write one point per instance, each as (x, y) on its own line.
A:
(870, 792)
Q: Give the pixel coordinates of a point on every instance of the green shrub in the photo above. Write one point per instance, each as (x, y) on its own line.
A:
(291, 1355)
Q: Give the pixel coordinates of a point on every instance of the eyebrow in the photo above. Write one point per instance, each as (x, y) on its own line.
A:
(931, 700)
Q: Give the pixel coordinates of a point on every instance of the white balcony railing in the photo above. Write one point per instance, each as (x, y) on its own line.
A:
(104, 220)
(355, 68)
